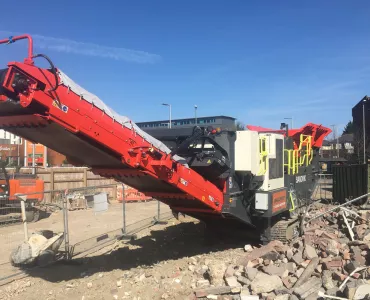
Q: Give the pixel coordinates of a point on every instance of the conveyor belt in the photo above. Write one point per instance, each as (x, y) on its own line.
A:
(79, 125)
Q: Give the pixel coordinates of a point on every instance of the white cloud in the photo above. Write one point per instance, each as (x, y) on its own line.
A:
(88, 49)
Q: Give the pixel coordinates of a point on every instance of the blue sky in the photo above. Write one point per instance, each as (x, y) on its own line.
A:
(258, 61)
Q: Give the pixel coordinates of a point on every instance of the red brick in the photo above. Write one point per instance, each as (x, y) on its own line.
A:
(324, 254)
(336, 258)
(287, 282)
(258, 252)
(333, 264)
(318, 232)
(329, 235)
(313, 228)
(356, 275)
(346, 255)
(305, 263)
(326, 259)
(339, 276)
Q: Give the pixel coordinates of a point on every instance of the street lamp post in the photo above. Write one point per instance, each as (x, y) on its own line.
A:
(195, 112)
(364, 127)
(169, 106)
(291, 122)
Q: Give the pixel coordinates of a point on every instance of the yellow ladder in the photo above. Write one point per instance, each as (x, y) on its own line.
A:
(263, 156)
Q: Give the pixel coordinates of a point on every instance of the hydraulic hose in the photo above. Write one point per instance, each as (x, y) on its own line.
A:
(54, 71)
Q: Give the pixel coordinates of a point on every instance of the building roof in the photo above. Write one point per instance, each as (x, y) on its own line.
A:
(361, 101)
(181, 119)
(344, 139)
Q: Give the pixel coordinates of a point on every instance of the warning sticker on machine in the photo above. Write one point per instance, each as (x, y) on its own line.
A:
(63, 107)
(278, 201)
(183, 181)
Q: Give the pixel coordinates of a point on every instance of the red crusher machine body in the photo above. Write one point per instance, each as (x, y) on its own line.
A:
(252, 179)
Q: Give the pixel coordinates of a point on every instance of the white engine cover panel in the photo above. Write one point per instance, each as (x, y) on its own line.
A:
(262, 201)
(247, 151)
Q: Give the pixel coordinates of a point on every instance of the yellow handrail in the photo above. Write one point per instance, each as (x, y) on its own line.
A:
(295, 160)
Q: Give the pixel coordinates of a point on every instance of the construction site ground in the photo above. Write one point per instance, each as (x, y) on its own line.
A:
(157, 265)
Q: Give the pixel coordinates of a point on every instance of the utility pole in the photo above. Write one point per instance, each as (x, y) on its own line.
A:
(291, 121)
(33, 159)
(195, 112)
(364, 126)
(18, 152)
(335, 138)
(169, 106)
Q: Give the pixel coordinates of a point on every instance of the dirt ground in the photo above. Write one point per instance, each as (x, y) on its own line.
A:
(83, 224)
(159, 264)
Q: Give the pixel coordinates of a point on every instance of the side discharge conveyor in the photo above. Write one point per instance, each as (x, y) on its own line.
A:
(213, 174)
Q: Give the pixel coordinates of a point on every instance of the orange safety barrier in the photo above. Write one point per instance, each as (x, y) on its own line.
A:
(25, 186)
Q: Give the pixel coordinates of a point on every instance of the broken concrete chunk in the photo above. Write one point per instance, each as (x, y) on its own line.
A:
(298, 258)
(252, 263)
(213, 291)
(272, 255)
(332, 292)
(332, 248)
(289, 281)
(289, 254)
(299, 272)
(235, 289)
(243, 280)
(319, 269)
(327, 280)
(230, 271)
(264, 283)
(315, 295)
(203, 283)
(310, 286)
(274, 270)
(248, 248)
(285, 274)
(281, 291)
(216, 273)
(307, 272)
(232, 281)
(289, 266)
(248, 297)
(366, 238)
(266, 262)
(250, 273)
(309, 252)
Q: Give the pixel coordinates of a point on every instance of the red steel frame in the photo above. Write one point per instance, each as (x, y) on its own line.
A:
(84, 118)
(318, 133)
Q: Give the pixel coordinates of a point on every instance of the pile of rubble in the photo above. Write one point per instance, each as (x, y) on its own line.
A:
(329, 261)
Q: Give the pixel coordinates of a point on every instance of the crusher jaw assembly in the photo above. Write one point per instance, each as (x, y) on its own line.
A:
(255, 180)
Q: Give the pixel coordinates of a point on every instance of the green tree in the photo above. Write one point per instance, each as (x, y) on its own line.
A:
(240, 125)
(348, 128)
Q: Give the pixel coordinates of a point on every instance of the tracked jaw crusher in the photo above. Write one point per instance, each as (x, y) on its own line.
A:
(251, 179)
